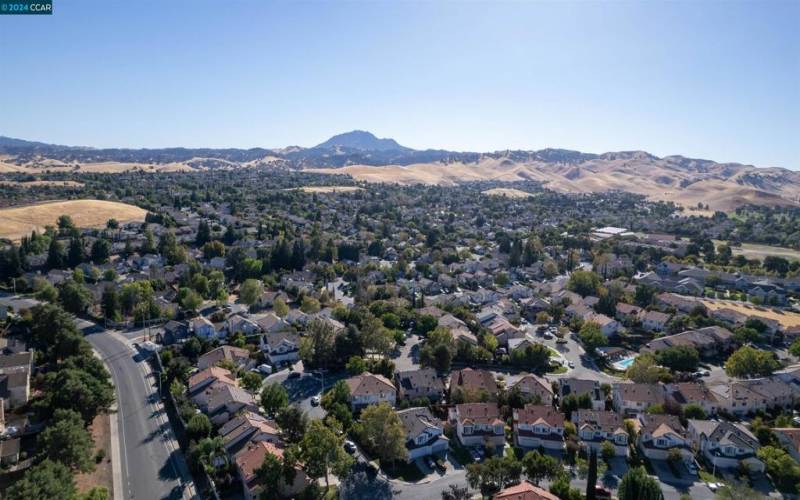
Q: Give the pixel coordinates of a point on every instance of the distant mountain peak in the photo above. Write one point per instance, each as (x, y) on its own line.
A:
(361, 140)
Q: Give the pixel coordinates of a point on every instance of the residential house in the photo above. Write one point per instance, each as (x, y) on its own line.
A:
(524, 491)
(709, 341)
(683, 394)
(280, 347)
(658, 435)
(631, 399)
(203, 328)
(9, 451)
(538, 426)
(478, 424)
(251, 458)
(535, 387)
(271, 323)
(222, 401)
(267, 299)
(580, 387)
(596, 427)
(627, 312)
(748, 396)
(654, 321)
(679, 302)
(174, 332)
(241, 324)
(451, 322)
(201, 380)
(369, 389)
(424, 433)
(236, 355)
(15, 379)
(421, 383)
(725, 445)
(608, 326)
(245, 428)
(789, 437)
(471, 385)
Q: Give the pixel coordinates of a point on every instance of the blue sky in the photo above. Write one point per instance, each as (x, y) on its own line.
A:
(717, 80)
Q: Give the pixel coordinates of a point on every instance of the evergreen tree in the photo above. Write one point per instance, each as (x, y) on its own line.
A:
(101, 251)
(591, 480)
(110, 303)
(75, 255)
(149, 245)
(203, 234)
(298, 260)
(230, 236)
(637, 485)
(10, 263)
(56, 257)
(281, 256)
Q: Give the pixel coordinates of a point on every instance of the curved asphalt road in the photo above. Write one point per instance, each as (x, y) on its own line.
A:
(152, 466)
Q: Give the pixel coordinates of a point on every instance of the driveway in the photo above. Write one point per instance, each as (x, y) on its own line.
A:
(408, 355)
(302, 389)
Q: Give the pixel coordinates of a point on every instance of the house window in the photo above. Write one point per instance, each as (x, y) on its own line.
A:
(661, 442)
(467, 429)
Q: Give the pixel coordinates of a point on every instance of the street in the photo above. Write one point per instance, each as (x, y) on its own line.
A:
(152, 465)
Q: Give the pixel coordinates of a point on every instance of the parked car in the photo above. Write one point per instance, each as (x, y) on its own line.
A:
(601, 492)
(265, 369)
(315, 400)
(571, 364)
(349, 447)
(150, 346)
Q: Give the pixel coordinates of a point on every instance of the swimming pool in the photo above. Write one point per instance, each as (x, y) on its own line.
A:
(624, 364)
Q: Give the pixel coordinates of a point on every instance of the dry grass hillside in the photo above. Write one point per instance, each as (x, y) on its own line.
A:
(19, 221)
(686, 182)
(507, 192)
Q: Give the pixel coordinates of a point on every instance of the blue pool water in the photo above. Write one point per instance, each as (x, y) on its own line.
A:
(624, 364)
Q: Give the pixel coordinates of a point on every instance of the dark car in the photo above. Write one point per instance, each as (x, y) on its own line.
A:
(349, 447)
(294, 375)
(602, 492)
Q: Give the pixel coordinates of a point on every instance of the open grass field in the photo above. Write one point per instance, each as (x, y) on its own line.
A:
(756, 251)
(508, 193)
(327, 189)
(785, 318)
(19, 221)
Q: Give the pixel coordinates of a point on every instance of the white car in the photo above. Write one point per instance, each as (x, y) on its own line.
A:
(265, 369)
(150, 346)
(315, 401)
(571, 364)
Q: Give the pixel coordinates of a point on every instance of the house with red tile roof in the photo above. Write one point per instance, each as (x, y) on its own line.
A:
(539, 426)
(250, 459)
(524, 491)
(478, 424)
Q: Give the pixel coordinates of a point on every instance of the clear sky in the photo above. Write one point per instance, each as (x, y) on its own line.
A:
(717, 80)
